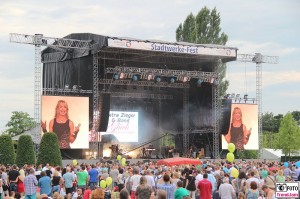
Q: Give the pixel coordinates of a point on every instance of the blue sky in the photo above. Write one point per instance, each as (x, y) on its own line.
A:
(270, 27)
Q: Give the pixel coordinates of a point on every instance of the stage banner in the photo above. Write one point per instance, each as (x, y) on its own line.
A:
(68, 117)
(171, 48)
(123, 125)
(243, 127)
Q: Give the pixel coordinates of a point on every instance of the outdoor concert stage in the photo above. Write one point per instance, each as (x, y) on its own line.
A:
(139, 92)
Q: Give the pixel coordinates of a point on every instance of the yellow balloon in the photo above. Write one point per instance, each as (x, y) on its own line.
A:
(230, 157)
(231, 147)
(102, 184)
(74, 162)
(108, 181)
(234, 172)
(119, 157)
(123, 159)
(124, 163)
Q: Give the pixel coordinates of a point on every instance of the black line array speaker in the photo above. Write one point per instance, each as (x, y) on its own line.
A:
(104, 107)
(225, 115)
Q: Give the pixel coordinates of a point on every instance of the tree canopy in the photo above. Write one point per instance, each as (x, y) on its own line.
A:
(287, 138)
(7, 151)
(205, 28)
(49, 150)
(19, 123)
(25, 151)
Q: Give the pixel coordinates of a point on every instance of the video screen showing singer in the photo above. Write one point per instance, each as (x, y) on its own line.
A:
(62, 125)
(238, 133)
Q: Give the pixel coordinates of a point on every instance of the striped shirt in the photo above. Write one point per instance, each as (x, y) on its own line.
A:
(169, 188)
(30, 183)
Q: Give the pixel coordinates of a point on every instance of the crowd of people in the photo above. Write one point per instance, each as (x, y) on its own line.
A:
(211, 179)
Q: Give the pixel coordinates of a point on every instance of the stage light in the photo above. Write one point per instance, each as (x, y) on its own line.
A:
(106, 153)
(216, 82)
(227, 96)
(186, 79)
(150, 77)
(123, 75)
(116, 76)
(144, 76)
(135, 78)
(172, 80)
(232, 95)
(158, 79)
(245, 96)
(67, 86)
(74, 87)
(199, 82)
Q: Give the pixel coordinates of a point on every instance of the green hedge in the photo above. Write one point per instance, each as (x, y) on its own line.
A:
(7, 151)
(49, 150)
(25, 151)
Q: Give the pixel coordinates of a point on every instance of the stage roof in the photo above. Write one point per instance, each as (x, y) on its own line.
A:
(142, 50)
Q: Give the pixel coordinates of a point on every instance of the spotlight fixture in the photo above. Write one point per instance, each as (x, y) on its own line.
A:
(67, 86)
(172, 80)
(158, 79)
(184, 78)
(134, 77)
(216, 82)
(150, 77)
(199, 82)
(123, 75)
(116, 76)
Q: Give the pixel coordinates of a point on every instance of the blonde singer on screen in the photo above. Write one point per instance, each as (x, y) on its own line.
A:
(62, 126)
(238, 133)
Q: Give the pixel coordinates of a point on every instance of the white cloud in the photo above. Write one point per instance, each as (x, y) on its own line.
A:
(266, 48)
(290, 94)
(243, 83)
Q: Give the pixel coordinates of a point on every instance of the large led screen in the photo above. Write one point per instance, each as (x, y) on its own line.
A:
(243, 127)
(68, 117)
(123, 125)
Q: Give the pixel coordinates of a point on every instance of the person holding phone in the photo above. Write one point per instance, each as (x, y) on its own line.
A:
(238, 133)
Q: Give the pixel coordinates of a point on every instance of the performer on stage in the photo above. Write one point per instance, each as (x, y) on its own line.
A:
(170, 154)
(62, 126)
(144, 152)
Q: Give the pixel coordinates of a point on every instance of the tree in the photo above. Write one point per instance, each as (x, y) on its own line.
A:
(19, 123)
(49, 150)
(288, 137)
(25, 151)
(7, 152)
(205, 29)
(247, 154)
(296, 116)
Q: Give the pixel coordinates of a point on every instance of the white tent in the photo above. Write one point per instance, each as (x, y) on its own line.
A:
(30, 132)
(271, 154)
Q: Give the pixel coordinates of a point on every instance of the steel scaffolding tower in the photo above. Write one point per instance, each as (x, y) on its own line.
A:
(258, 58)
(38, 40)
(216, 133)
